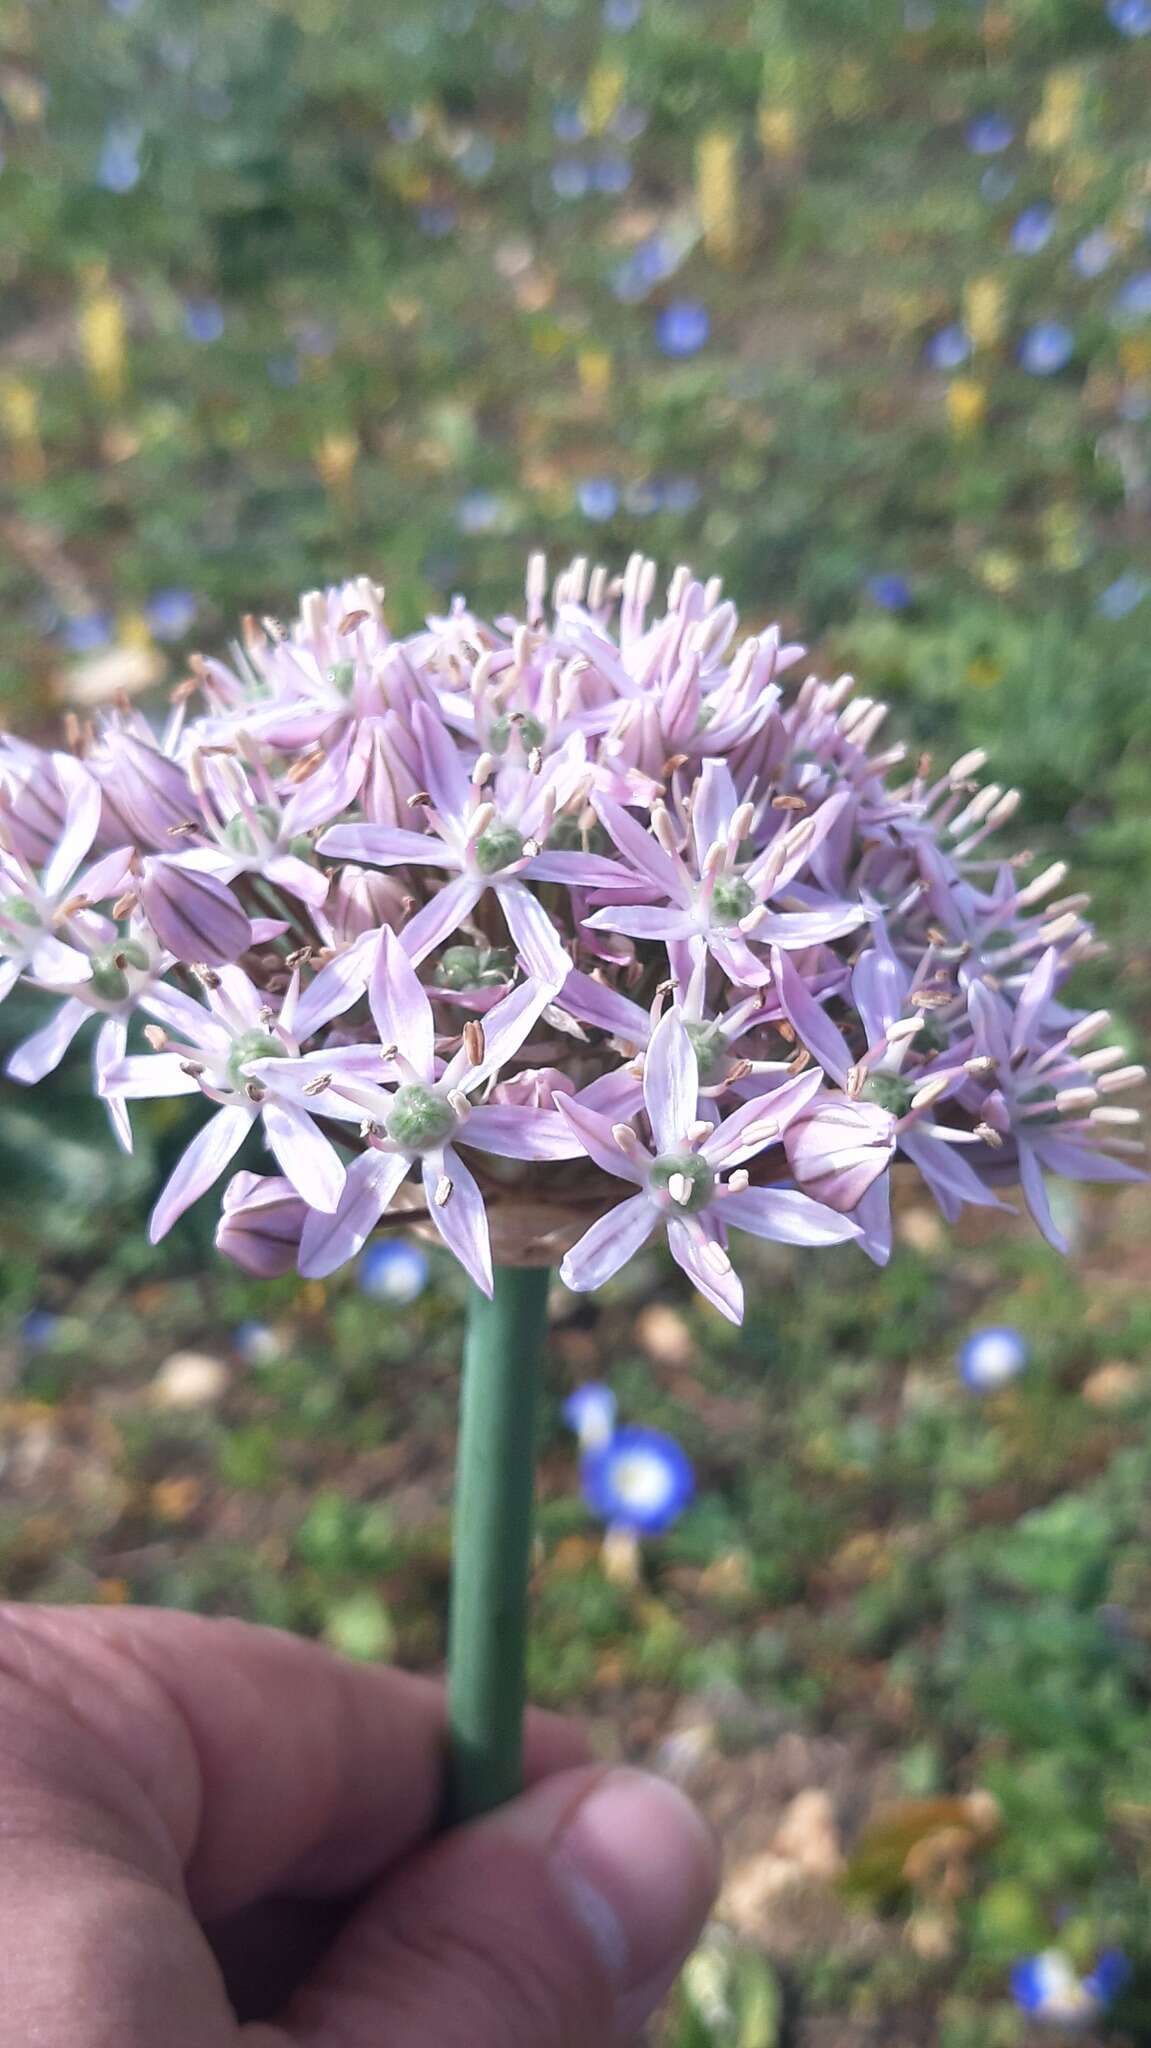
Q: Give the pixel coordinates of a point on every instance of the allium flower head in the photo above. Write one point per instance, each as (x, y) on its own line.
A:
(551, 935)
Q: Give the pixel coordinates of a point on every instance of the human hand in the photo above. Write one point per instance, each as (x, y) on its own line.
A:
(218, 1836)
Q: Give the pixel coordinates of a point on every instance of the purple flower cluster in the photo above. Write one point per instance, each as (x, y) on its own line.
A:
(556, 934)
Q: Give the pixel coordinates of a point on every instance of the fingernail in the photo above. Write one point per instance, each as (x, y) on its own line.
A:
(638, 1867)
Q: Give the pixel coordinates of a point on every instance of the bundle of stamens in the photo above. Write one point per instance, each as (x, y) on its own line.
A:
(553, 934)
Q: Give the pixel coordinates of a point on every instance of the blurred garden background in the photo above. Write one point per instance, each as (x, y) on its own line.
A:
(850, 301)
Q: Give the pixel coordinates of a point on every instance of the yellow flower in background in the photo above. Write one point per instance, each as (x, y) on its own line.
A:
(1065, 542)
(336, 456)
(983, 673)
(966, 405)
(999, 570)
(595, 373)
(717, 191)
(985, 310)
(604, 96)
(20, 416)
(1135, 355)
(850, 90)
(778, 128)
(103, 341)
(1060, 110)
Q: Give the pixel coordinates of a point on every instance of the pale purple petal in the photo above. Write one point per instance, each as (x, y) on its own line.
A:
(441, 917)
(642, 849)
(873, 1215)
(329, 1241)
(462, 1220)
(990, 1019)
(579, 871)
(787, 1216)
(824, 821)
(325, 793)
(536, 939)
(309, 1160)
(108, 1051)
(147, 1075)
(42, 1053)
(593, 1003)
(445, 777)
(513, 1133)
(737, 960)
(734, 1141)
(879, 986)
(800, 928)
(1033, 999)
(688, 1247)
(10, 971)
(193, 915)
(400, 1007)
(81, 823)
(386, 846)
(336, 987)
(642, 921)
(611, 1241)
(261, 1224)
(505, 1028)
(1035, 1190)
(1083, 1162)
(201, 1165)
(670, 1082)
(809, 1020)
(106, 876)
(594, 1133)
(56, 965)
(296, 878)
(714, 801)
(952, 1180)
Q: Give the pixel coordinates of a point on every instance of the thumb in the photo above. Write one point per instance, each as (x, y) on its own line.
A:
(558, 1922)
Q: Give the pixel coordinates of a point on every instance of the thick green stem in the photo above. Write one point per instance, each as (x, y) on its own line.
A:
(495, 1476)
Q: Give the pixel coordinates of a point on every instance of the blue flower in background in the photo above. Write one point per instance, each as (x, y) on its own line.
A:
(611, 174)
(597, 497)
(284, 372)
(991, 1358)
(171, 613)
(640, 1481)
(38, 1328)
(1094, 253)
(1122, 596)
(629, 123)
(118, 168)
(437, 221)
(394, 1270)
(891, 593)
(571, 179)
(568, 123)
(591, 1412)
(1033, 229)
(484, 512)
(1048, 1987)
(256, 1343)
(680, 494)
(989, 133)
(682, 328)
(87, 632)
(1046, 348)
(621, 14)
(317, 338)
(1131, 17)
(649, 263)
(947, 349)
(476, 161)
(1132, 302)
(203, 320)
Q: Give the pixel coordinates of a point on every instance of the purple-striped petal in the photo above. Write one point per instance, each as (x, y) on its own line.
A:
(734, 1141)
(809, 1020)
(441, 917)
(81, 823)
(611, 1241)
(642, 849)
(592, 1002)
(201, 1165)
(1033, 999)
(594, 1134)
(445, 777)
(296, 878)
(309, 1160)
(536, 939)
(400, 1007)
(642, 921)
(787, 1216)
(797, 929)
(1035, 1192)
(193, 915)
(513, 1133)
(386, 846)
(713, 804)
(147, 1076)
(336, 987)
(670, 1082)
(688, 1248)
(329, 1241)
(462, 1219)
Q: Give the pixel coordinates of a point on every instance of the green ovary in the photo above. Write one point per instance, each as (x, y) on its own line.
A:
(109, 980)
(252, 1045)
(462, 967)
(497, 848)
(889, 1091)
(710, 1051)
(420, 1118)
(18, 912)
(687, 1166)
(731, 899)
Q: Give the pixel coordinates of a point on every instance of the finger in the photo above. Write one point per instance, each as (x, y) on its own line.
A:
(557, 1923)
(268, 1763)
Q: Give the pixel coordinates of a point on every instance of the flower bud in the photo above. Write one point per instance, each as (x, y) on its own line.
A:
(361, 900)
(837, 1153)
(261, 1224)
(193, 915)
